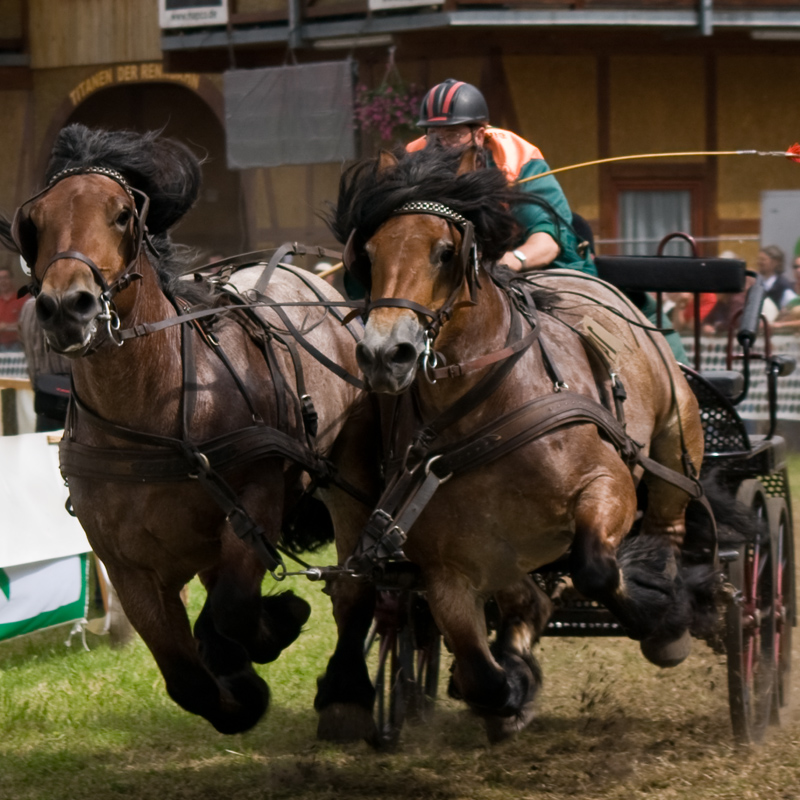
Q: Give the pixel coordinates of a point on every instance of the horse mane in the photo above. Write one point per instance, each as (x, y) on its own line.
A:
(368, 196)
(164, 169)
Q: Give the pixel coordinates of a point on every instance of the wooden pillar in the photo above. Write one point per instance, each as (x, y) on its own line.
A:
(8, 401)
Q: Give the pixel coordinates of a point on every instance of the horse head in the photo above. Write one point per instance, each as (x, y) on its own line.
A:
(419, 230)
(83, 236)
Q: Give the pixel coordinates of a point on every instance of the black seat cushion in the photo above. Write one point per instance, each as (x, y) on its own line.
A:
(672, 274)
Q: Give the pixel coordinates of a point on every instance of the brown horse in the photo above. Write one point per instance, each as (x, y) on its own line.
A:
(441, 322)
(161, 474)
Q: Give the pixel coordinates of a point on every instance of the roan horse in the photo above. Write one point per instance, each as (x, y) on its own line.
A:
(542, 390)
(179, 449)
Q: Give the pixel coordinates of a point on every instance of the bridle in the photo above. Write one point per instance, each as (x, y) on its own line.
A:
(468, 265)
(28, 248)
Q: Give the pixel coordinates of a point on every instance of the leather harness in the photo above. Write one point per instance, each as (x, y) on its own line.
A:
(416, 464)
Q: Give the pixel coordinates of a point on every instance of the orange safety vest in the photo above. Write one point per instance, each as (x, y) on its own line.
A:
(509, 151)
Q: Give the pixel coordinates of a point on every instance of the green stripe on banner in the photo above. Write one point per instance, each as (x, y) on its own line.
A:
(5, 583)
(41, 595)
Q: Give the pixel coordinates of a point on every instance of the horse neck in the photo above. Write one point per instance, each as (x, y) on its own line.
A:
(472, 332)
(138, 384)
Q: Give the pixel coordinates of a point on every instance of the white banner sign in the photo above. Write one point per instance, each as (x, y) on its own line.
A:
(192, 13)
(36, 526)
(36, 596)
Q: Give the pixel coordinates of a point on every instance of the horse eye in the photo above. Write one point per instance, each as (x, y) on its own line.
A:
(447, 255)
(123, 217)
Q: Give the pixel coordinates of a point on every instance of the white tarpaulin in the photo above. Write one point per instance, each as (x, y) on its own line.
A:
(36, 527)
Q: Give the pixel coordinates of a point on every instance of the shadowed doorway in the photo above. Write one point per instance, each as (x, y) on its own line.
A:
(215, 225)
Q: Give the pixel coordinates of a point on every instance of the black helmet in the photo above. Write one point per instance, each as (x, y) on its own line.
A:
(453, 103)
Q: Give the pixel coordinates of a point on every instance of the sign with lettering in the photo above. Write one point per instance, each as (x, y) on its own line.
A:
(192, 13)
(130, 73)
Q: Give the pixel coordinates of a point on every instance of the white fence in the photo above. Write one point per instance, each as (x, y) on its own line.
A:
(13, 365)
(755, 406)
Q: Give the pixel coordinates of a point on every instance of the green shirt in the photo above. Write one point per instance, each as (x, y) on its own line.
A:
(553, 216)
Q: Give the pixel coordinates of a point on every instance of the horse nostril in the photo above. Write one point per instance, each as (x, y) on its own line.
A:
(364, 357)
(46, 307)
(404, 353)
(82, 304)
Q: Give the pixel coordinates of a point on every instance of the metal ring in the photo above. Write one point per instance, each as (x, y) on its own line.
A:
(279, 573)
(428, 469)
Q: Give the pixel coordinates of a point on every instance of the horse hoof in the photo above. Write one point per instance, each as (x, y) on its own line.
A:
(246, 703)
(498, 729)
(667, 654)
(344, 722)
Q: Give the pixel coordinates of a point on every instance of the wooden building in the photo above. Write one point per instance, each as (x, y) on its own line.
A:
(583, 80)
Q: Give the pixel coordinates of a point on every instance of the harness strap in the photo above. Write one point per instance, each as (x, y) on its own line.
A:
(532, 421)
(335, 368)
(404, 501)
(293, 248)
(457, 370)
(475, 396)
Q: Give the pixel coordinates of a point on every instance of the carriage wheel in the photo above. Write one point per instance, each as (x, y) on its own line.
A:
(427, 650)
(780, 536)
(390, 693)
(407, 674)
(750, 634)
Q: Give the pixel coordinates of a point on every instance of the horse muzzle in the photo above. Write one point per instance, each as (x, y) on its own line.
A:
(389, 361)
(69, 319)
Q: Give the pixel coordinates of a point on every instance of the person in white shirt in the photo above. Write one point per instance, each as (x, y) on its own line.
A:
(771, 260)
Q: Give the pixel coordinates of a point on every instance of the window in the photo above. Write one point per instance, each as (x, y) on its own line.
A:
(641, 204)
(646, 217)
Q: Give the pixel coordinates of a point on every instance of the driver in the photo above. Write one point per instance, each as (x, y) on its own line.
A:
(455, 114)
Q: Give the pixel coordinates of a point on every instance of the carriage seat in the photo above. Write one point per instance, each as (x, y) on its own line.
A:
(672, 273)
(728, 382)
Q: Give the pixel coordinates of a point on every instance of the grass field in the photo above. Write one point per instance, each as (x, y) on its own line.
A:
(98, 724)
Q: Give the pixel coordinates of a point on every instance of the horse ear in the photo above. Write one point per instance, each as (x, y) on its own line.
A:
(386, 161)
(469, 160)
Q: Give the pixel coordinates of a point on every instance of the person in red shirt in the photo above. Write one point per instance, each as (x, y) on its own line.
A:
(10, 306)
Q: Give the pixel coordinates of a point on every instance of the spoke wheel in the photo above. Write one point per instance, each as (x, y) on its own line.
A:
(750, 629)
(427, 650)
(782, 547)
(407, 670)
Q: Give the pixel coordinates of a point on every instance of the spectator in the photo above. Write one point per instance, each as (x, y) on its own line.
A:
(770, 264)
(10, 306)
(726, 310)
(49, 372)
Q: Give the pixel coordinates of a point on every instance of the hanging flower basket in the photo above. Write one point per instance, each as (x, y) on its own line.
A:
(389, 112)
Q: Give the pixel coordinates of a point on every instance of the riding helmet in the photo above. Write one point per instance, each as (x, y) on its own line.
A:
(453, 103)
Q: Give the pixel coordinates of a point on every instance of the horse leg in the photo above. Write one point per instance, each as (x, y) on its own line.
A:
(524, 611)
(345, 694)
(635, 579)
(491, 689)
(235, 611)
(232, 703)
(663, 531)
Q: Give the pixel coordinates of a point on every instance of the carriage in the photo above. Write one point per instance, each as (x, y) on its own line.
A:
(210, 474)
